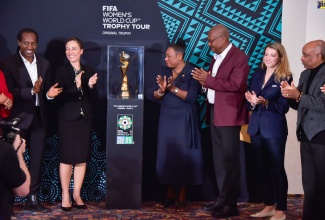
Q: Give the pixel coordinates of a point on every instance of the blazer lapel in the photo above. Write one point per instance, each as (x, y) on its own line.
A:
(303, 78)
(316, 80)
(269, 82)
(23, 70)
(225, 60)
(39, 68)
(260, 79)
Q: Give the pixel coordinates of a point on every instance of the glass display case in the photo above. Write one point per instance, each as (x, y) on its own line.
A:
(125, 72)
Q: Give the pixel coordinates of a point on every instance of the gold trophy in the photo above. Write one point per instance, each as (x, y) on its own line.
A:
(124, 59)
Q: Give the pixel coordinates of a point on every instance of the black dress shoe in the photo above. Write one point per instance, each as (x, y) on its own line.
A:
(212, 207)
(74, 204)
(226, 211)
(32, 203)
(66, 209)
(169, 202)
(180, 206)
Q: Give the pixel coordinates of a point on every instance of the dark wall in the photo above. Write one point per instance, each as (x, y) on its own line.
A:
(55, 21)
(252, 25)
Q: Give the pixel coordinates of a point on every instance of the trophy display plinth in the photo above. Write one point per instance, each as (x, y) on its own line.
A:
(124, 127)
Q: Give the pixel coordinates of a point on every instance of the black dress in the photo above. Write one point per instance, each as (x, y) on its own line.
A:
(75, 115)
(179, 153)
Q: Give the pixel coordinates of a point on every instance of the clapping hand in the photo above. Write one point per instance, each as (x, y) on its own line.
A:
(53, 91)
(200, 75)
(289, 91)
(37, 85)
(92, 81)
(322, 88)
(170, 84)
(6, 101)
(252, 98)
(162, 82)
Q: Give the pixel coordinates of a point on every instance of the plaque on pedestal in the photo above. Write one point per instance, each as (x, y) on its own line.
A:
(124, 127)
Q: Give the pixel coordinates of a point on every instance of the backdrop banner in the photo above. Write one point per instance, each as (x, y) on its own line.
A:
(148, 23)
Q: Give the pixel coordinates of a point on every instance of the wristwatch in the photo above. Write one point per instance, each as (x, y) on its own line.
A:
(176, 90)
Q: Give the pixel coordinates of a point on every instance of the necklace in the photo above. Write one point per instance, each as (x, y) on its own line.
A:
(180, 66)
(76, 73)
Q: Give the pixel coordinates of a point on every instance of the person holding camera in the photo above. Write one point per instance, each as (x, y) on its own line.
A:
(14, 175)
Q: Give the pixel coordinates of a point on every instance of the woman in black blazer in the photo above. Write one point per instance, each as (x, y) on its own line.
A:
(75, 121)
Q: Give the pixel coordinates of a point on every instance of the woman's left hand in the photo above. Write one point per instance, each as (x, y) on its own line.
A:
(170, 84)
(7, 102)
(92, 80)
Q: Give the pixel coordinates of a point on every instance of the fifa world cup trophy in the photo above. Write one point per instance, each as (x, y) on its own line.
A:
(124, 59)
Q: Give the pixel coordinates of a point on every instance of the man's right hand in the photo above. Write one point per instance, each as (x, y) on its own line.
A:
(37, 85)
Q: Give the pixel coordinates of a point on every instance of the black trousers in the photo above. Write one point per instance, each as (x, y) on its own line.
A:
(270, 154)
(35, 143)
(313, 179)
(225, 146)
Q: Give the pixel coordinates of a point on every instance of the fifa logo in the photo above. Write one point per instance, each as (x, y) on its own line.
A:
(321, 4)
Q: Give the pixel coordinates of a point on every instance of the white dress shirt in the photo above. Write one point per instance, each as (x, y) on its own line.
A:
(219, 58)
(32, 71)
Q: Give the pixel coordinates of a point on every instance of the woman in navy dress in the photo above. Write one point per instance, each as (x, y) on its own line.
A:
(268, 128)
(179, 154)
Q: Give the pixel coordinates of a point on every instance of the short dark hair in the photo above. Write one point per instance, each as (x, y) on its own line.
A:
(81, 44)
(179, 46)
(26, 30)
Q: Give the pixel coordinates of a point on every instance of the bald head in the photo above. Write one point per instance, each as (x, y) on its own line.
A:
(218, 38)
(317, 45)
(220, 29)
(313, 54)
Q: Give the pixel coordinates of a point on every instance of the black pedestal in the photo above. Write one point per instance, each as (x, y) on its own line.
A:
(124, 153)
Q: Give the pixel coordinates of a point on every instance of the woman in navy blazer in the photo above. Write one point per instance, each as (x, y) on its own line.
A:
(268, 128)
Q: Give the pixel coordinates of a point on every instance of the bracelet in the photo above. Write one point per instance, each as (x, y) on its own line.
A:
(21, 143)
(299, 97)
(266, 103)
(160, 94)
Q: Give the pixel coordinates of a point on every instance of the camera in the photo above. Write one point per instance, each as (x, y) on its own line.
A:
(11, 128)
(9, 131)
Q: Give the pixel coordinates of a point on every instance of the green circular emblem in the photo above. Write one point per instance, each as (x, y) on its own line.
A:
(125, 122)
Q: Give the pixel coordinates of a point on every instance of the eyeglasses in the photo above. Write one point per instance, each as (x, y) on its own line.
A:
(211, 41)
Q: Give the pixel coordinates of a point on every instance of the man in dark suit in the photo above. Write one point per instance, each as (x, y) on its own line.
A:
(309, 100)
(28, 79)
(226, 83)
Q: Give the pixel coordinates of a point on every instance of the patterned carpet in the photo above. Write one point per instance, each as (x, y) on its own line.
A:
(150, 210)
